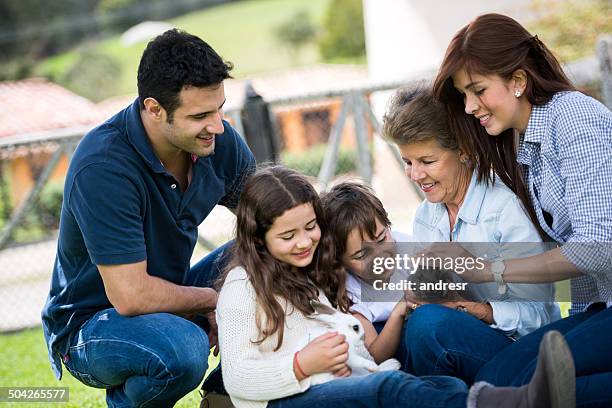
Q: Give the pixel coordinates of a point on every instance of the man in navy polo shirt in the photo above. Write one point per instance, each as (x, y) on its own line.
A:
(136, 190)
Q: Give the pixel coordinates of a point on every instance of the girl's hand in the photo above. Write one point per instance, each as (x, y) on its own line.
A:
(326, 353)
(344, 372)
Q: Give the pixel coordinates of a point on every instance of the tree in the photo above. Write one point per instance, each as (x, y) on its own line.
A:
(93, 75)
(344, 34)
(296, 32)
(582, 21)
(38, 28)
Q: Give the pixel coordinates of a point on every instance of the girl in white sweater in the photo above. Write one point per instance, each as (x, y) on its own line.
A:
(278, 265)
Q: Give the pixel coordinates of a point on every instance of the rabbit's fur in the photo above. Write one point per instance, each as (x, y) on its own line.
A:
(359, 359)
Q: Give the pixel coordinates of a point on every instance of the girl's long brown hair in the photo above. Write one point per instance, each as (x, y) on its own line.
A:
(267, 194)
(494, 44)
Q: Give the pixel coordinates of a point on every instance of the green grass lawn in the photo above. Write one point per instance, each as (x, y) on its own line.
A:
(241, 32)
(24, 363)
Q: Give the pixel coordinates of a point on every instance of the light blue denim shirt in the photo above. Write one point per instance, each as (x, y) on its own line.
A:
(493, 214)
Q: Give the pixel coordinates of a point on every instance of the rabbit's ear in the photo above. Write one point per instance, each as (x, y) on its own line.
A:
(322, 308)
(327, 320)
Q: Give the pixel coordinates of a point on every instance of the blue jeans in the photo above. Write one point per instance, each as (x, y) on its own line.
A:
(438, 340)
(150, 360)
(383, 389)
(589, 336)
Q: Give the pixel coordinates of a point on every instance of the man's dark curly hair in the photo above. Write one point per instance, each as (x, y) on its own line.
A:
(176, 59)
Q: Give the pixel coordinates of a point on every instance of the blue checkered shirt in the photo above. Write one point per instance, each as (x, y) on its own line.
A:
(566, 158)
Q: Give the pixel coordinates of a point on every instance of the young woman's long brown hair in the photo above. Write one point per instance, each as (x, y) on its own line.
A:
(267, 194)
(494, 44)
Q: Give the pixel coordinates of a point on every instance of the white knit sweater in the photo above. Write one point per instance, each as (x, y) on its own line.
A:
(254, 374)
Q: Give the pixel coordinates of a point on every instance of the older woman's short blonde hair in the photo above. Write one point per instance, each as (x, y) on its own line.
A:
(414, 115)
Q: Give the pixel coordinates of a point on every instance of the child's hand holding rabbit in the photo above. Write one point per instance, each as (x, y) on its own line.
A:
(326, 353)
(340, 347)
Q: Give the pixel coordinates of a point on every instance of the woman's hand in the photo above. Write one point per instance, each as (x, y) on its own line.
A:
(472, 269)
(326, 353)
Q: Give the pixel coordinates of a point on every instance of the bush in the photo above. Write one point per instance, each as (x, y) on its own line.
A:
(50, 205)
(94, 75)
(296, 32)
(309, 161)
(37, 28)
(582, 21)
(15, 69)
(42, 219)
(344, 34)
(117, 15)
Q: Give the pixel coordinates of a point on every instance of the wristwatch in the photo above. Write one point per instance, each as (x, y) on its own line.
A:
(497, 269)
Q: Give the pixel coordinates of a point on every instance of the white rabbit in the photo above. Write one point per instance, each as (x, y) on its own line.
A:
(359, 359)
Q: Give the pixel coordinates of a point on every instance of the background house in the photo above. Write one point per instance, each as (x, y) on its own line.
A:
(34, 109)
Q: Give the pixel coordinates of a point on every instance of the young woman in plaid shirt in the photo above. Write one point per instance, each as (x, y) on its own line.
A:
(515, 110)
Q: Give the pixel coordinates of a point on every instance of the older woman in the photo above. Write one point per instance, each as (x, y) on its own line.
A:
(459, 207)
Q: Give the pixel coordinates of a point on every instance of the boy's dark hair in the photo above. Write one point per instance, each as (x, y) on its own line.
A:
(351, 205)
(176, 59)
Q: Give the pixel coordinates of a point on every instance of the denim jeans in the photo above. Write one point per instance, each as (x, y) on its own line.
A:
(149, 360)
(382, 389)
(438, 340)
(589, 336)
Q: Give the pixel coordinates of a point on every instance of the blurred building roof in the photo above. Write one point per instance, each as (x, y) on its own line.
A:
(37, 105)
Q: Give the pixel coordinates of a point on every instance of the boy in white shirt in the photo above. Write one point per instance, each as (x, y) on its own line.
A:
(355, 216)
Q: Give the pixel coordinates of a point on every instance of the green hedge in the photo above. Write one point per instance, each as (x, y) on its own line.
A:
(43, 218)
(309, 161)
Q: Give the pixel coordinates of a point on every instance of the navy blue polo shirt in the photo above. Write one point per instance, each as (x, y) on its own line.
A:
(121, 206)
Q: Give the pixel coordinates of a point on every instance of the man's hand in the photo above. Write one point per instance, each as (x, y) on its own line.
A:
(213, 332)
(213, 297)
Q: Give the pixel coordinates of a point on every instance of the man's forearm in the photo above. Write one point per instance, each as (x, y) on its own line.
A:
(158, 295)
